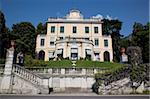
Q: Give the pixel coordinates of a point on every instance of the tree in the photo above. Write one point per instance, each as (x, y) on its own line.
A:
(41, 28)
(140, 37)
(25, 37)
(5, 36)
(113, 27)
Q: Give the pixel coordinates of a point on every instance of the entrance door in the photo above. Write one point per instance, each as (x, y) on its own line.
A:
(41, 55)
(106, 56)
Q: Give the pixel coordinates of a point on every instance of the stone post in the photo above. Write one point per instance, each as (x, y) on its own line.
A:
(7, 79)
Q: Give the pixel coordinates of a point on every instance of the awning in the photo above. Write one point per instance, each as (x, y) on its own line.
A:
(50, 54)
(59, 51)
(88, 52)
(74, 50)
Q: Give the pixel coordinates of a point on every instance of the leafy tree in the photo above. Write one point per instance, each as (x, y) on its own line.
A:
(5, 36)
(140, 37)
(113, 27)
(41, 28)
(25, 37)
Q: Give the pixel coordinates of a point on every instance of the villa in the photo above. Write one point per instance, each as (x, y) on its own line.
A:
(74, 37)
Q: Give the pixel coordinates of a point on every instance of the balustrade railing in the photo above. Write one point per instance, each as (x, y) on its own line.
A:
(26, 74)
(66, 71)
(2, 66)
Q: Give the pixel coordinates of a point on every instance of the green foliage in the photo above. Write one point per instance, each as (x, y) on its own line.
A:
(140, 37)
(30, 62)
(25, 37)
(5, 36)
(147, 92)
(139, 74)
(41, 28)
(97, 64)
(113, 74)
(2, 61)
(113, 27)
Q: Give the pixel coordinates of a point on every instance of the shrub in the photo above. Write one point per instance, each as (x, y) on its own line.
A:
(2, 61)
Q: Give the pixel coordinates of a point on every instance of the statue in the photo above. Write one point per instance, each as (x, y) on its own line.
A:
(135, 55)
(124, 57)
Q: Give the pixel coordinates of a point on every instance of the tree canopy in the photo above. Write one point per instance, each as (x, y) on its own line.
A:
(41, 28)
(25, 37)
(139, 37)
(4, 36)
(113, 27)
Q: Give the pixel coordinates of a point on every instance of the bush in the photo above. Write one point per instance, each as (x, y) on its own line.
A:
(28, 60)
(2, 61)
(147, 92)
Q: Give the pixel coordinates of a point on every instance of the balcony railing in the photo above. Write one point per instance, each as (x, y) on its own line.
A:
(74, 40)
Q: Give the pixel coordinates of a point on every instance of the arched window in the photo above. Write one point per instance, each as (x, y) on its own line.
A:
(106, 56)
(41, 55)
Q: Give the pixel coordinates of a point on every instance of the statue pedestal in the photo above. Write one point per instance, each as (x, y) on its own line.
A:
(7, 79)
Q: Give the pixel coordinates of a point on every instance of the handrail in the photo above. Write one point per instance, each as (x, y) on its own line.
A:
(2, 66)
(28, 75)
(66, 71)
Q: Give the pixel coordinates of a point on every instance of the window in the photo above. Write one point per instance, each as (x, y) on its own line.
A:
(52, 29)
(97, 56)
(96, 42)
(51, 55)
(74, 29)
(86, 29)
(106, 43)
(95, 29)
(52, 43)
(42, 42)
(62, 29)
(60, 38)
(87, 39)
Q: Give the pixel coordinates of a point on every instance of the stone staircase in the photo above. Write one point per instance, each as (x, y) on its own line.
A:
(30, 80)
(117, 87)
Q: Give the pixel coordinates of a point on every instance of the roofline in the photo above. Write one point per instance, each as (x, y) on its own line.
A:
(75, 21)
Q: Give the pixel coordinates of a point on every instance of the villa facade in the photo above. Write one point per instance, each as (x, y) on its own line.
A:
(74, 37)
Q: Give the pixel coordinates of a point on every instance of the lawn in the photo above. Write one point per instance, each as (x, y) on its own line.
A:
(68, 64)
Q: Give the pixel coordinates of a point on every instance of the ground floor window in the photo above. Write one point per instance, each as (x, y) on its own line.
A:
(88, 54)
(74, 53)
(97, 56)
(59, 53)
(51, 55)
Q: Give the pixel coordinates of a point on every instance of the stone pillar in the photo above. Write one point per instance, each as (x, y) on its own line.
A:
(83, 71)
(62, 71)
(6, 84)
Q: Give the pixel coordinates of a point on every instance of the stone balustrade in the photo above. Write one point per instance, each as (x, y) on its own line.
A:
(28, 75)
(67, 71)
(2, 66)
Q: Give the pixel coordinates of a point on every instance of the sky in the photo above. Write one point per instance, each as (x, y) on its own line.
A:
(35, 11)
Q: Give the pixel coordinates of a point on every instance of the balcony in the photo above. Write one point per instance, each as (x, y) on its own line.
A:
(74, 40)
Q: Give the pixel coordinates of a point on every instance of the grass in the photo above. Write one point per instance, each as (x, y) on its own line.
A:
(97, 64)
(68, 64)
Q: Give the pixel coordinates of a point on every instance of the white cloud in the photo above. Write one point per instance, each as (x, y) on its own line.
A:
(109, 17)
(98, 16)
